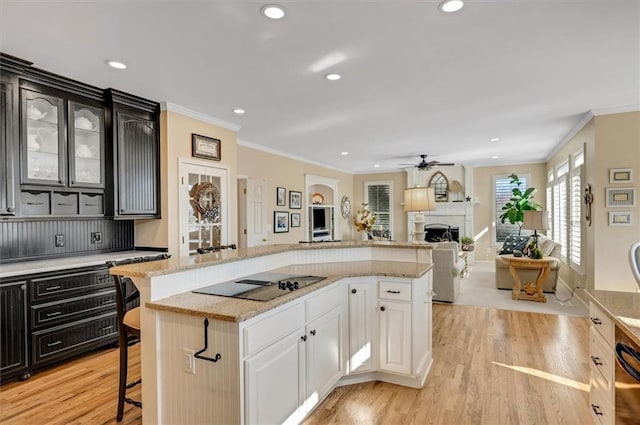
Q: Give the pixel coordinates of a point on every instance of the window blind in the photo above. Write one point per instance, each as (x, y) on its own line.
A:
(379, 199)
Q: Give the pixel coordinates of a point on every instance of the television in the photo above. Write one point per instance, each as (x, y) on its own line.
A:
(319, 218)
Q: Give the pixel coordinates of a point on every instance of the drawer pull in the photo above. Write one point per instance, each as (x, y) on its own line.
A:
(107, 302)
(596, 410)
(61, 204)
(596, 321)
(51, 344)
(55, 313)
(389, 291)
(106, 328)
(52, 288)
(90, 205)
(596, 360)
(35, 203)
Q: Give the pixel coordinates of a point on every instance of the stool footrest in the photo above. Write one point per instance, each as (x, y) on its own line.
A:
(133, 384)
(134, 402)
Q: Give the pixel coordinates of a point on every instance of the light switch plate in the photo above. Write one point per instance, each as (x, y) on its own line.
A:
(188, 361)
(59, 241)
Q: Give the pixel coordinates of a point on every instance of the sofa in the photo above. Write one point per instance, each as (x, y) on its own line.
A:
(447, 269)
(549, 248)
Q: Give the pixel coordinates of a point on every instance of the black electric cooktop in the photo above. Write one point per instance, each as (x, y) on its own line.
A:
(261, 286)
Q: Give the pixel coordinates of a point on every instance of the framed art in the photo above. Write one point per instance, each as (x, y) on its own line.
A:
(620, 175)
(281, 196)
(205, 147)
(280, 221)
(620, 218)
(295, 219)
(295, 200)
(621, 197)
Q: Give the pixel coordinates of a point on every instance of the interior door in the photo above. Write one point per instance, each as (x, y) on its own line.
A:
(203, 207)
(257, 227)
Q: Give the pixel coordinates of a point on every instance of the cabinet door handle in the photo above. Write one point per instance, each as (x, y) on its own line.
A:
(52, 288)
(313, 332)
(596, 410)
(55, 313)
(382, 308)
(106, 328)
(303, 338)
(64, 204)
(389, 291)
(35, 203)
(596, 360)
(52, 344)
(107, 302)
(596, 321)
(353, 291)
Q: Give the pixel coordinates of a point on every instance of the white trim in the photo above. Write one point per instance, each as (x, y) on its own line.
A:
(588, 116)
(616, 110)
(172, 107)
(290, 156)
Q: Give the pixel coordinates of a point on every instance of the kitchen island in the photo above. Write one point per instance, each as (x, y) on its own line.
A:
(369, 319)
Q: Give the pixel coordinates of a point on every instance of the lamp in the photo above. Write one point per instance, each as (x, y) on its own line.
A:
(535, 220)
(418, 199)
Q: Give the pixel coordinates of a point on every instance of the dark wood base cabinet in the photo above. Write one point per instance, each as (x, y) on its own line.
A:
(48, 318)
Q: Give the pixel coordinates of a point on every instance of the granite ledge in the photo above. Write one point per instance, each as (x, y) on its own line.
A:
(622, 307)
(238, 310)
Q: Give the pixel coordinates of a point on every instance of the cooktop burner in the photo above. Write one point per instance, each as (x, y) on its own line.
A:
(260, 287)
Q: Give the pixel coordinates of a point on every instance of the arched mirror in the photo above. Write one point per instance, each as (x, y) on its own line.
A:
(440, 186)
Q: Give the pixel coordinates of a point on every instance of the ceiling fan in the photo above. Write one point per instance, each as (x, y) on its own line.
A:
(425, 165)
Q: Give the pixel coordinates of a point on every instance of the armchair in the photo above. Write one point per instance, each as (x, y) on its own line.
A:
(447, 269)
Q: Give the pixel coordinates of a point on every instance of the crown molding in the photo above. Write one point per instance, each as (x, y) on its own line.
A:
(588, 116)
(618, 110)
(288, 155)
(172, 107)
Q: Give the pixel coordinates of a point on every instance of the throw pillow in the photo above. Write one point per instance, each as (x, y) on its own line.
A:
(514, 242)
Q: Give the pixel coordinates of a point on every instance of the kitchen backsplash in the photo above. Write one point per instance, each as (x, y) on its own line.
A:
(28, 240)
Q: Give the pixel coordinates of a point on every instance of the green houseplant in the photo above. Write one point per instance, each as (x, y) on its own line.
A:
(467, 243)
(513, 210)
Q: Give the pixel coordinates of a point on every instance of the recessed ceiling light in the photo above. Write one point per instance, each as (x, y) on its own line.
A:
(451, 5)
(273, 11)
(117, 65)
(495, 139)
(376, 165)
(495, 157)
(333, 77)
(239, 111)
(344, 153)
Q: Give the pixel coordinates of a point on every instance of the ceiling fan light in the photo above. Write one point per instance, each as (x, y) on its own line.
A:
(450, 6)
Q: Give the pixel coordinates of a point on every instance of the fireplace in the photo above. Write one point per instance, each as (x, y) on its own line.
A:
(439, 232)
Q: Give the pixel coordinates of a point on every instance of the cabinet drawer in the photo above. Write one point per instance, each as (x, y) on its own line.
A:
(600, 401)
(325, 301)
(271, 329)
(34, 203)
(66, 285)
(602, 322)
(64, 203)
(601, 357)
(74, 337)
(91, 204)
(73, 309)
(390, 290)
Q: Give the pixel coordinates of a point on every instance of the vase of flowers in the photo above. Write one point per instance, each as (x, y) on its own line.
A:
(364, 221)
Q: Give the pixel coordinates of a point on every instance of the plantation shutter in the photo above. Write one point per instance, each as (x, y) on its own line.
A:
(502, 195)
(560, 228)
(575, 235)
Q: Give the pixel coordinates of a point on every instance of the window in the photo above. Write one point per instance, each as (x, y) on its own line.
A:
(502, 194)
(440, 186)
(378, 195)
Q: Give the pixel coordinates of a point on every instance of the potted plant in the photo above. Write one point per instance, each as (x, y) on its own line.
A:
(513, 210)
(364, 221)
(467, 243)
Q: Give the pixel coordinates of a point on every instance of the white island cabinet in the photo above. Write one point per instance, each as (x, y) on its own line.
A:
(279, 359)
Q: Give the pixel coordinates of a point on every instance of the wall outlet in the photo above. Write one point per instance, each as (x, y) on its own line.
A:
(59, 241)
(188, 361)
(96, 237)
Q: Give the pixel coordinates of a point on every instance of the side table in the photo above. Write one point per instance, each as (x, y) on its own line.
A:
(542, 264)
(465, 256)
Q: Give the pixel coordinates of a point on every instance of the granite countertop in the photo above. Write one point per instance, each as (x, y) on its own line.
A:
(54, 264)
(177, 264)
(622, 307)
(238, 310)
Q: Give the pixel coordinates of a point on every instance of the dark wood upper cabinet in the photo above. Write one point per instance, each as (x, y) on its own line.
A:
(135, 150)
(8, 142)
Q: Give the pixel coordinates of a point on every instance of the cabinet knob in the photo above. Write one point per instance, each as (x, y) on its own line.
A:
(382, 308)
(313, 332)
(596, 410)
(353, 291)
(596, 321)
(303, 338)
(596, 360)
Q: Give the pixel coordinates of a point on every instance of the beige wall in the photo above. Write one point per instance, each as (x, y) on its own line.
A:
(280, 171)
(399, 183)
(175, 141)
(484, 215)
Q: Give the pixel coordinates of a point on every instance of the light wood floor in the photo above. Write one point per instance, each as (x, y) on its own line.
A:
(490, 367)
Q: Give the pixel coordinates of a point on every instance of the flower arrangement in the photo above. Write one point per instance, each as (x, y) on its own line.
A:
(364, 219)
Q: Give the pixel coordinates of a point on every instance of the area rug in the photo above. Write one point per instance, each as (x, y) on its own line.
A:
(478, 288)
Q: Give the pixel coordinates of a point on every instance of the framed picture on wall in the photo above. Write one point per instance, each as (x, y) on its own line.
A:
(280, 221)
(205, 147)
(620, 175)
(295, 200)
(619, 218)
(281, 197)
(295, 219)
(621, 197)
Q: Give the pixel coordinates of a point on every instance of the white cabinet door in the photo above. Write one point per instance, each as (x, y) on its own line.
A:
(274, 382)
(324, 360)
(395, 336)
(362, 316)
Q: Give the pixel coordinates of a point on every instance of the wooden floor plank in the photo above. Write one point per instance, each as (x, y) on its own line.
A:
(490, 367)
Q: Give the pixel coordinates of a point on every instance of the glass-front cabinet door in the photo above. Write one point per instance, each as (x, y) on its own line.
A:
(43, 150)
(86, 146)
